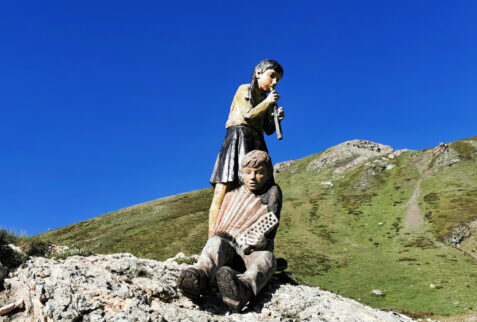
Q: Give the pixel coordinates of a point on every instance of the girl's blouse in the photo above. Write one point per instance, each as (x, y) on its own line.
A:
(242, 112)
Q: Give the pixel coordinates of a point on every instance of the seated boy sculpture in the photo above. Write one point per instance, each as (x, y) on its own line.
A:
(243, 209)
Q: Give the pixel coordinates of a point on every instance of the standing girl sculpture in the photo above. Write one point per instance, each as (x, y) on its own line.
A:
(251, 114)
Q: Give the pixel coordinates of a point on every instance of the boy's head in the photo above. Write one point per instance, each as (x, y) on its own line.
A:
(257, 170)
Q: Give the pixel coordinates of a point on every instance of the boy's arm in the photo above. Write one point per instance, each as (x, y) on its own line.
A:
(274, 204)
(273, 200)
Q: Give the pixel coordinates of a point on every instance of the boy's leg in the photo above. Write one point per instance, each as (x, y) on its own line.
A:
(219, 194)
(215, 254)
(261, 266)
(238, 289)
(194, 280)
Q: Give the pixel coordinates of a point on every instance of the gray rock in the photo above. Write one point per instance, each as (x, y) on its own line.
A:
(458, 234)
(122, 287)
(280, 166)
(349, 155)
(443, 155)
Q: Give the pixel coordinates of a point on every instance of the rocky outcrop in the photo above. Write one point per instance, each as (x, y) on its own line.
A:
(122, 287)
(280, 166)
(349, 155)
(443, 155)
(458, 234)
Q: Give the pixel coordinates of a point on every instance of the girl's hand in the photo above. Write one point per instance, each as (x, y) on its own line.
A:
(281, 113)
(273, 96)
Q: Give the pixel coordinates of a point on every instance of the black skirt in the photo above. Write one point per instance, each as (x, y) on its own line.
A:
(238, 141)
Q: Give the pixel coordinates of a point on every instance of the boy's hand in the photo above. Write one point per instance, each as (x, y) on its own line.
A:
(259, 241)
(273, 97)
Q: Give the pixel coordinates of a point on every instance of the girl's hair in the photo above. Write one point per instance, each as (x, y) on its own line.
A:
(263, 66)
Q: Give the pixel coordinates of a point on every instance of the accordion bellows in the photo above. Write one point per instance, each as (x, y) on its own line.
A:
(239, 211)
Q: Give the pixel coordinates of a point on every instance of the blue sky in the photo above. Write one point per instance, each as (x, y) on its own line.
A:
(106, 104)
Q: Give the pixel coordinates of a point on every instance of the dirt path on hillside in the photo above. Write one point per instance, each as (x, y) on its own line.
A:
(414, 219)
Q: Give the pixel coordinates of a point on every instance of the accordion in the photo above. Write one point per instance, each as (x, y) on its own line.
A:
(243, 217)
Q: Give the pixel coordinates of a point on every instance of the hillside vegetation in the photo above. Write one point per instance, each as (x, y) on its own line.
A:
(356, 217)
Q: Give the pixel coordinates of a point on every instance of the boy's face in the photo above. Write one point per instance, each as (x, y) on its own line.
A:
(268, 79)
(254, 178)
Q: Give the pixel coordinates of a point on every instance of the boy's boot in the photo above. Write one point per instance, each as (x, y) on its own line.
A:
(193, 282)
(235, 292)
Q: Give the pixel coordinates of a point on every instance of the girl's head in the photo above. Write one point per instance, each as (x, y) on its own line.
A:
(265, 65)
(265, 76)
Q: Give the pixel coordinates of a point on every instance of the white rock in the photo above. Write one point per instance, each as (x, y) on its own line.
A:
(327, 183)
(121, 287)
(399, 152)
(16, 248)
(378, 292)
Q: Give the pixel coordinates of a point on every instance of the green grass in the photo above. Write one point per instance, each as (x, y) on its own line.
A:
(349, 238)
(9, 257)
(75, 250)
(449, 197)
(31, 246)
(185, 260)
(158, 229)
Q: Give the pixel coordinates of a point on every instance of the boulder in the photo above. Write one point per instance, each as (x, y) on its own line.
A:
(121, 287)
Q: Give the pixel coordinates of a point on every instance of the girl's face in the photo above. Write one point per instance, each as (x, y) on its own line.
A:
(267, 80)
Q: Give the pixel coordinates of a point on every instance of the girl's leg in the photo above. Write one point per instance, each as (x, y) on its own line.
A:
(219, 194)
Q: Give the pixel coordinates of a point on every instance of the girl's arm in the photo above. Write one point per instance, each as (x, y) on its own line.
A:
(269, 123)
(257, 110)
(263, 107)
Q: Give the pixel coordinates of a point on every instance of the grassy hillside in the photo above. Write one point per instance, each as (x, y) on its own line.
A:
(347, 225)
(157, 229)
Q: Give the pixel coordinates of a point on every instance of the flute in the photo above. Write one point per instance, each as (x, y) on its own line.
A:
(278, 126)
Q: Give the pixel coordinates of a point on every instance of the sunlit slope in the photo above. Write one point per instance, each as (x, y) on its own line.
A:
(158, 229)
(347, 224)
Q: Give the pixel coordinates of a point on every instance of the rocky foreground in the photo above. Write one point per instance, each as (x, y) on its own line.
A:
(122, 287)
